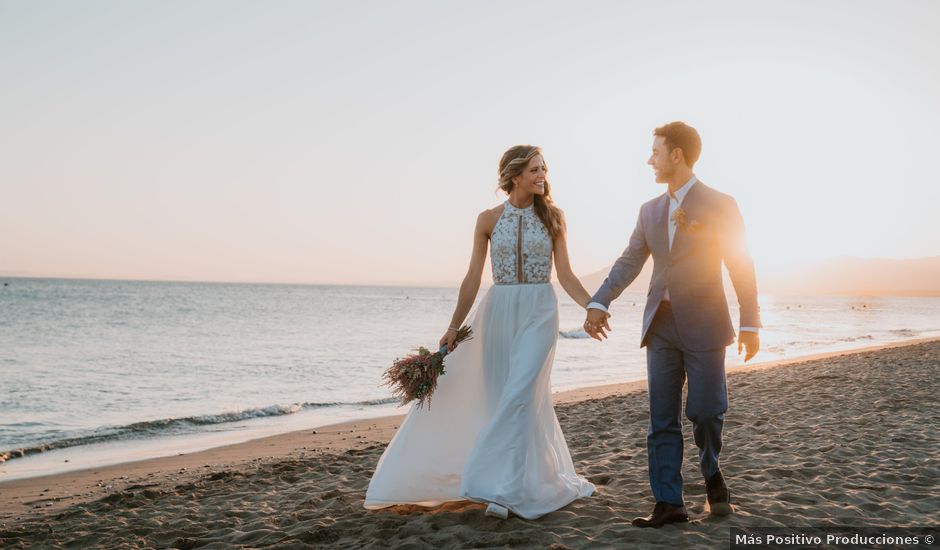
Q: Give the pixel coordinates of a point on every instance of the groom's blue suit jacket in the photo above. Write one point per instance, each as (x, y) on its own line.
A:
(713, 233)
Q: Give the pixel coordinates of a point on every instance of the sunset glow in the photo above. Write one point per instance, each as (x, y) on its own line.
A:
(323, 142)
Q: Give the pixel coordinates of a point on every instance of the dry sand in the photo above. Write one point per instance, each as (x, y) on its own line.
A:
(843, 439)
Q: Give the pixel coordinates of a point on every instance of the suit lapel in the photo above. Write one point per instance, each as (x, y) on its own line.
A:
(662, 224)
(692, 205)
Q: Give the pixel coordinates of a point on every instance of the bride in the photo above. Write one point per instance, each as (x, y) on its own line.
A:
(491, 434)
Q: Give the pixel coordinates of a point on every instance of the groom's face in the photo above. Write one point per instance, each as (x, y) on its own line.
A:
(664, 165)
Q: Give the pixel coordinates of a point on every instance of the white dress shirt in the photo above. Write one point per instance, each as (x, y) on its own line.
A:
(675, 201)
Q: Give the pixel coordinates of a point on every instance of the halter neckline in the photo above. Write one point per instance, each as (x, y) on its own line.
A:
(510, 205)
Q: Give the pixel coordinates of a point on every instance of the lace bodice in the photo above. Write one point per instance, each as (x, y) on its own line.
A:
(520, 247)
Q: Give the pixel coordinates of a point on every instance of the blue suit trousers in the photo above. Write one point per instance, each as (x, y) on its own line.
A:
(668, 364)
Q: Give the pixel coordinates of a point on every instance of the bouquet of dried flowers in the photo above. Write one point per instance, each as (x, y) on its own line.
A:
(415, 376)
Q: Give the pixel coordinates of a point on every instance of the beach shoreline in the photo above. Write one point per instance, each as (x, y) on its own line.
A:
(117, 387)
(48, 494)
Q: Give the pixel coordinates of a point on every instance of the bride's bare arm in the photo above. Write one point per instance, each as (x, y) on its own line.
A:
(471, 281)
(566, 277)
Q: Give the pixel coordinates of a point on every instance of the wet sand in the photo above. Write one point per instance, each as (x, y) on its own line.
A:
(847, 438)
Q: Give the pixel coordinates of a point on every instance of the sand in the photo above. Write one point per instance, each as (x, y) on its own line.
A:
(848, 438)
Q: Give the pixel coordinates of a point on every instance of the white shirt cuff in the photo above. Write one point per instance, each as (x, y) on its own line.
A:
(595, 305)
(750, 329)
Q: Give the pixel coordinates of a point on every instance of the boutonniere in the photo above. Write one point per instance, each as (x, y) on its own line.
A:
(680, 220)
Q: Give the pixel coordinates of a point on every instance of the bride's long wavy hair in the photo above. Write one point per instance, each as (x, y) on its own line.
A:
(511, 165)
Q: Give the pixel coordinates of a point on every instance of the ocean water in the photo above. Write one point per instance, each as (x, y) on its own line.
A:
(106, 371)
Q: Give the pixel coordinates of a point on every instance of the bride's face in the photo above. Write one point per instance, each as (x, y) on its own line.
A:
(532, 178)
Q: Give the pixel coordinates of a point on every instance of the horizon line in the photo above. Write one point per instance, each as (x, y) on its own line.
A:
(10, 274)
(871, 294)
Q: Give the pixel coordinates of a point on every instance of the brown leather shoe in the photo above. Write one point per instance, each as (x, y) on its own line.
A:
(662, 514)
(718, 496)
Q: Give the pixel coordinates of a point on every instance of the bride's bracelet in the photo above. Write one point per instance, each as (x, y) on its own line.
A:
(455, 329)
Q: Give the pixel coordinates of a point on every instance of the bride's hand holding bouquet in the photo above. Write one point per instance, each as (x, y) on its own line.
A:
(415, 376)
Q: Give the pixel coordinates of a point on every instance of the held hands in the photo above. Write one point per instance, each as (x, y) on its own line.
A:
(595, 324)
(749, 340)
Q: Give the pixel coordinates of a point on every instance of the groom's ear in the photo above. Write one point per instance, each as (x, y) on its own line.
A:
(677, 155)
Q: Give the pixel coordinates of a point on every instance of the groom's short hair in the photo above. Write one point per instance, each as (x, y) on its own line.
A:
(681, 135)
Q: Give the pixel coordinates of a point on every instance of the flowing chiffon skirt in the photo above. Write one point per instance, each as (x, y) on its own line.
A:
(491, 434)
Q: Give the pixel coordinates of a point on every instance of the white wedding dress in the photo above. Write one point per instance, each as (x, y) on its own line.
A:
(491, 434)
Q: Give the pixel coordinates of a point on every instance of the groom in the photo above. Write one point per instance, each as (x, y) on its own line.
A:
(689, 230)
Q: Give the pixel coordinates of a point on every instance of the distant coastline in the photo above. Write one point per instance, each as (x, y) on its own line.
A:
(840, 276)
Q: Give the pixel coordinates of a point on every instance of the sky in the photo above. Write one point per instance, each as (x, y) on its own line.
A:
(356, 142)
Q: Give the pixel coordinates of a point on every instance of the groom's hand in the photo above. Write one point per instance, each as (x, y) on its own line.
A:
(595, 323)
(749, 340)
